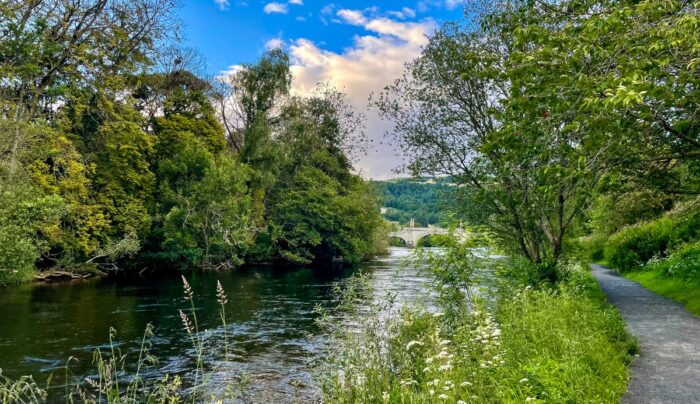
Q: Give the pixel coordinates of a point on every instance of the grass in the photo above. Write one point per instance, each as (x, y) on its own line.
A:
(676, 276)
(531, 344)
(679, 290)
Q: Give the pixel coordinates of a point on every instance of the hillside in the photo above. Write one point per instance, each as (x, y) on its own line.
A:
(407, 198)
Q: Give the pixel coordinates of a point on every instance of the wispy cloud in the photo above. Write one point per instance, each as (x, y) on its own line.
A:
(275, 8)
(223, 4)
(297, 2)
(353, 17)
(403, 13)
(452, 4)
(274, 43)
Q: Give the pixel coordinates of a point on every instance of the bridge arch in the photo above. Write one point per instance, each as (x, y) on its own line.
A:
(396, 241)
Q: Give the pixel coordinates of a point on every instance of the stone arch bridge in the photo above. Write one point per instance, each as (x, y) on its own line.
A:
(412, 234)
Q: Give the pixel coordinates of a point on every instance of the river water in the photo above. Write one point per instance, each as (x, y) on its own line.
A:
(273, 338)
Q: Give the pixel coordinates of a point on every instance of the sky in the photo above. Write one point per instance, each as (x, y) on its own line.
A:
(357, 46)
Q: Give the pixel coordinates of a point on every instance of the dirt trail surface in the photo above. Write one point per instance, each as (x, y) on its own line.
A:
(668, 368)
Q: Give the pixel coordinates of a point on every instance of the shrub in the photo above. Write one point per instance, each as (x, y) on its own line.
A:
(683, 263)
(635, 245)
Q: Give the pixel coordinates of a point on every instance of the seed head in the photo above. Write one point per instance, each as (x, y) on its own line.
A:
(186, 323)
(221, 294)
(188, 289)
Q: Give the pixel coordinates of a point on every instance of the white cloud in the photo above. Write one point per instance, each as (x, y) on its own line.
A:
(373, 61)
(274, 43)
(274, 7)
(403, 13)
(297, 2)
(452, 4)
(223, 4)
(353, 17)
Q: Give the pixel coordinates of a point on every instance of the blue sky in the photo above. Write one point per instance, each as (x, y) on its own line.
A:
(358, 46)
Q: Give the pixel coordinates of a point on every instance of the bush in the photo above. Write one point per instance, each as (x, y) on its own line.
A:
(633, 246)
(683, 263)
(27, 218)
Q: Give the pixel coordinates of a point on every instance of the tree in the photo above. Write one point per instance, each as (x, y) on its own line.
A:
(318, 210)
(250, 101)
(464, 110)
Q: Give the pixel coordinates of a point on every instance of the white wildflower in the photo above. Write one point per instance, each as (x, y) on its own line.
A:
(523, 380)
(443, 397)
(465, 384)
(412, 343)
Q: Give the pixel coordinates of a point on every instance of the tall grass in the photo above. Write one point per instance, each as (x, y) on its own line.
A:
(519, 343)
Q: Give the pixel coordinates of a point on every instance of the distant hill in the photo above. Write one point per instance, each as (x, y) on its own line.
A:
(417, 198)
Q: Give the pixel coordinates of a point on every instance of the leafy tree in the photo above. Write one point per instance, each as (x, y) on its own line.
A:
(319, 210)
(209, 224)
(250, 101)
(28, 220)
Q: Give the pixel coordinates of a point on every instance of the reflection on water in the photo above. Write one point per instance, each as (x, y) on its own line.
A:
(272, 335)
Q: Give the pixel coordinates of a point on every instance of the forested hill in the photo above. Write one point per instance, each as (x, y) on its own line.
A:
(406, 198)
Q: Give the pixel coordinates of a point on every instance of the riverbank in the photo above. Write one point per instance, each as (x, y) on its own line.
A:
(527, 342)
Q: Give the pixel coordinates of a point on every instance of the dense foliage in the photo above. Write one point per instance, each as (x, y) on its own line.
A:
(421, 200)
(541, 111)
(112, 147)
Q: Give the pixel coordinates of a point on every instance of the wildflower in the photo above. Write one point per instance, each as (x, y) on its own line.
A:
(443, 354)
(445, 342)
(426, 369)
(431, 392)
(429, 360)
(412, 343)
(523, 380)
(465, 384)
(531, 399)
(361, 380)
(443, 397)
(408, 382)
(220, 294)
(445, 368)
(187, 288)
(438, 314)
(385, 397)
(461, 402)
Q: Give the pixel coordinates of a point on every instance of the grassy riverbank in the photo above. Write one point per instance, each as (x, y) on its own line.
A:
(527, 342)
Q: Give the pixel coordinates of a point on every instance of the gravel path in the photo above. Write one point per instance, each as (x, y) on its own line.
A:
(668, 368)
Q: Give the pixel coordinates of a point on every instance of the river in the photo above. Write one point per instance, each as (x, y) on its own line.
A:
(273, 338)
